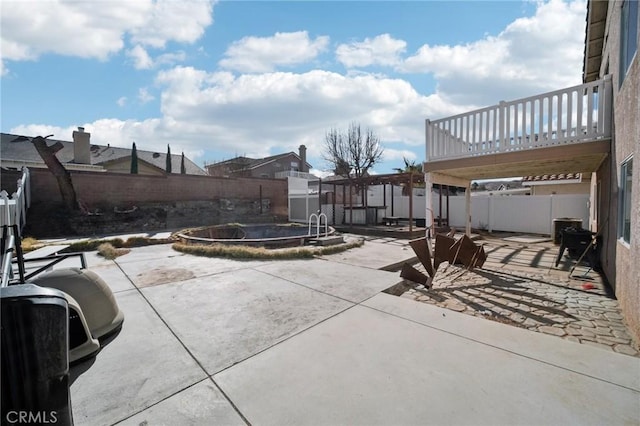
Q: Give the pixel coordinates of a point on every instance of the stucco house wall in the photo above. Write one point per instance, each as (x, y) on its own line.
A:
(620, 260)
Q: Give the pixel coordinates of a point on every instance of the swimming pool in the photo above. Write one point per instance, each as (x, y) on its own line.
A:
(264, 235)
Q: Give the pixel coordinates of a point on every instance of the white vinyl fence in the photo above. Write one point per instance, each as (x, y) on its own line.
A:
(533, 214)
(512, 213)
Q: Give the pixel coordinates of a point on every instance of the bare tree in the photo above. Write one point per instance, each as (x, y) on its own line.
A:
(352, 154)
(48, 155)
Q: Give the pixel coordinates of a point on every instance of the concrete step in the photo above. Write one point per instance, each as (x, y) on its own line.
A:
(327, 241)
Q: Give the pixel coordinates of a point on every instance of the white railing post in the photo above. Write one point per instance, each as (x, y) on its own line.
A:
(427, 140)
(501, 125)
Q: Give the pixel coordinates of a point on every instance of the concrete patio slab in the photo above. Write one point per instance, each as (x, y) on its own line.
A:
(94, 259)
(201, 404)
(588, 360)
(159, 251)
(156, 271)
(143, 365)
(113, 276)
(364, 366)
(376, 253)
(228, 317)
(352, 283)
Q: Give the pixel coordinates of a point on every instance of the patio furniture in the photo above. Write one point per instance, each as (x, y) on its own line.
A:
(391, 220)
(580, 243)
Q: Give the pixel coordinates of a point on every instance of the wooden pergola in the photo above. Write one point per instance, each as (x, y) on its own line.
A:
(409, 179)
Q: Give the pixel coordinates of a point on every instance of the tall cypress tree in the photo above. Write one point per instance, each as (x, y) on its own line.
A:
(183, 169)
(134, 160)
(168, 159)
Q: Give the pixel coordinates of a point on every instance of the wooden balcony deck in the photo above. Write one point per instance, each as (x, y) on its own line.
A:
(567, 130)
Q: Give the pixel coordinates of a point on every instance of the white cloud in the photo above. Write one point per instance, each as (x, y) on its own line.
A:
(144, 96)
(89, 30)
(322, 174)
(170, 58)
(380, 50)
(532, 55)
(141, 59)
(264, 54)
(398, 155)
(259, 114)
(122, 101)
(182, 21)
(267, 110)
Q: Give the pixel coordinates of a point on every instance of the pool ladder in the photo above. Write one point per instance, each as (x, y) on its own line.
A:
(319, 217)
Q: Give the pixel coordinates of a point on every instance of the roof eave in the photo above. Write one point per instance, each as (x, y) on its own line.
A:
(594, 39)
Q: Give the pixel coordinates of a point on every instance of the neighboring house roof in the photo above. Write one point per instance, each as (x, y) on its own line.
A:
(19, 148)
(254, 163)
(558, 179)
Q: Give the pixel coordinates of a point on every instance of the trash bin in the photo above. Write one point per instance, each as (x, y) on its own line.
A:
(564, 222)
(35, 365)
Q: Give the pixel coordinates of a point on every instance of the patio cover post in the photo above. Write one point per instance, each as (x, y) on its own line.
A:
(344, 204)
(384, 197)
(428, 218)
(319, 197)
(410, 202)
(467, 199)
(333, 200)
(350, 206)
(440, 205)
(392, 205)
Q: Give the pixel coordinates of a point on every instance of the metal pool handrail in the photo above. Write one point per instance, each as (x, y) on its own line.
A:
(319, 217)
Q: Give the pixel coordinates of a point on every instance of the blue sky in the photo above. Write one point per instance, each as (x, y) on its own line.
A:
(220, 79)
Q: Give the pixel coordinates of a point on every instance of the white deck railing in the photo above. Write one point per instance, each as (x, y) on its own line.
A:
(573, 115)
(13, 209)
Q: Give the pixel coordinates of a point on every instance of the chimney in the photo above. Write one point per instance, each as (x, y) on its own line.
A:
(303, 158)
(81, 146)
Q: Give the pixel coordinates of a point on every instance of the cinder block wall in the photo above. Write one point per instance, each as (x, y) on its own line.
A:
(163, 202)
(124, 189)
